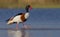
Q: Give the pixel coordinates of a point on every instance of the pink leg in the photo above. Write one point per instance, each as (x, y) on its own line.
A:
(25, 26)
(17, 26)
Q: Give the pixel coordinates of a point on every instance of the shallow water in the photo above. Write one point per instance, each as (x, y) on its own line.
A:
(39, 18)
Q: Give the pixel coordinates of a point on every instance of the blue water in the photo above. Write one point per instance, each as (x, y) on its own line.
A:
(39, 18)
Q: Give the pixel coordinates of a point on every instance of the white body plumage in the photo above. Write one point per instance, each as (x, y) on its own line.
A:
(18, 18)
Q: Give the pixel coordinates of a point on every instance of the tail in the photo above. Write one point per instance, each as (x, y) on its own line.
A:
(9, 21)
(11, 18)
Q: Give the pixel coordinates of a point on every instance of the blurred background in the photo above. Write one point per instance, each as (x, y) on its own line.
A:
(34, 3)
(45, 14)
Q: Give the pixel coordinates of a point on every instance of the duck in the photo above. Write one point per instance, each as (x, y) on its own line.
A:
(20, 17)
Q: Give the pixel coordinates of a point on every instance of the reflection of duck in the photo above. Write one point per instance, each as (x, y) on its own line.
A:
(18, 33)
(20, 18)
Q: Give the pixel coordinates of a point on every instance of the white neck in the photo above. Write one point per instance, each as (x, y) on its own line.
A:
(26, 15)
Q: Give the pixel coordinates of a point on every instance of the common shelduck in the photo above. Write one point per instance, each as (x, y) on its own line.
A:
(20, 18)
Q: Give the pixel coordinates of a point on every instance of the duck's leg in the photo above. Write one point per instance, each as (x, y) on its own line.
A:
(25, 26)
(17, 26)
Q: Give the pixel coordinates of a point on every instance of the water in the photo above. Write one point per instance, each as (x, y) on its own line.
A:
(18, 33)
(39, 18)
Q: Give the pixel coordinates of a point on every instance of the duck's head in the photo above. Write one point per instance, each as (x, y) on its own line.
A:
(28, 7)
